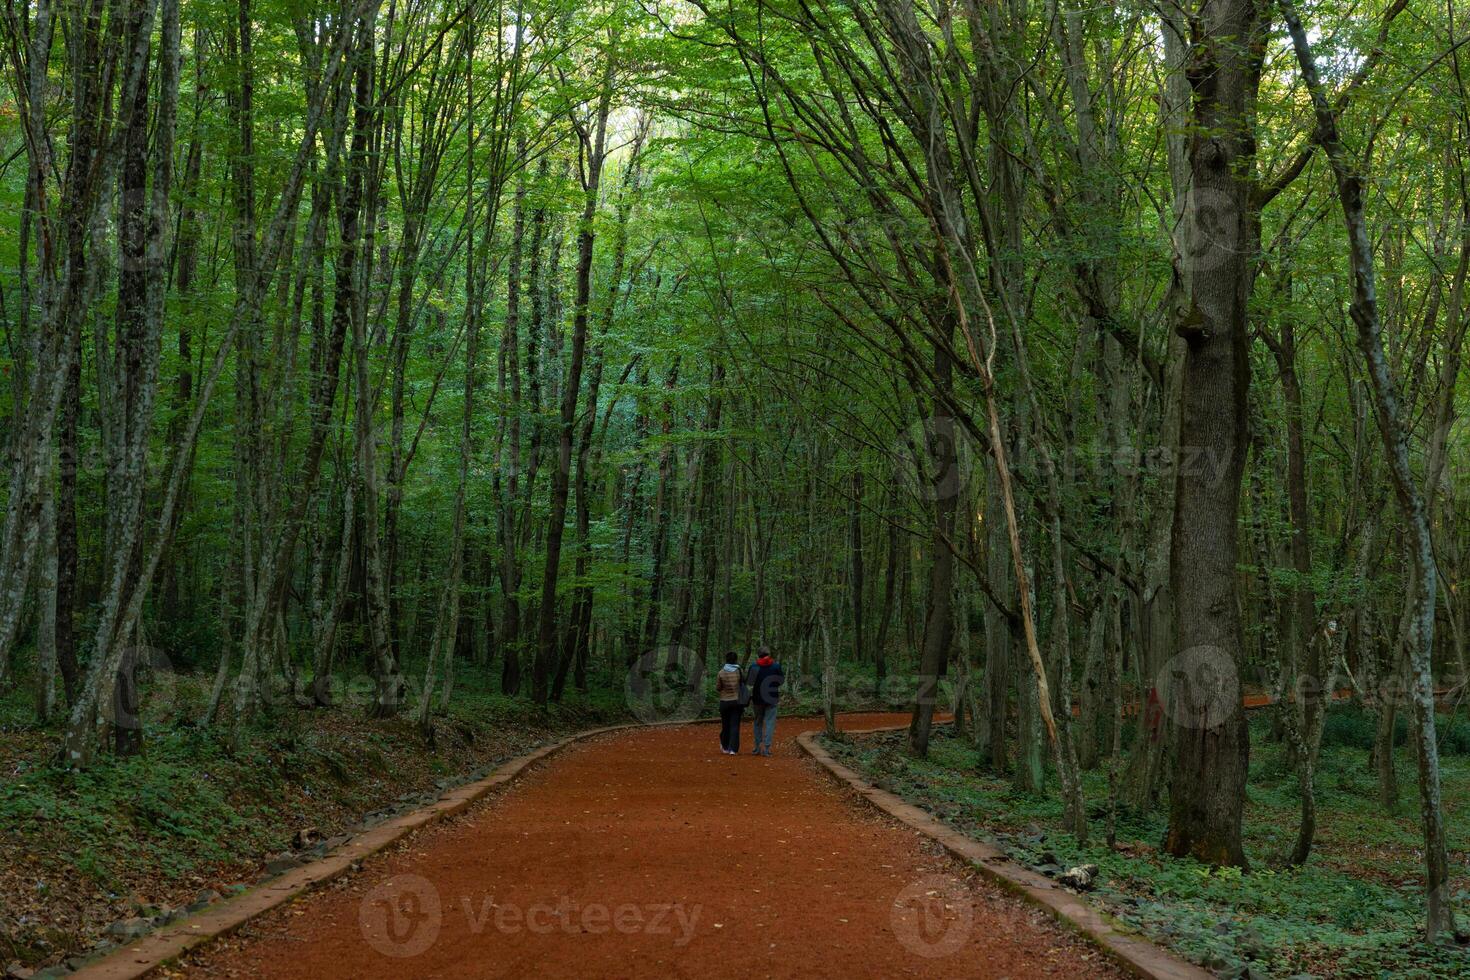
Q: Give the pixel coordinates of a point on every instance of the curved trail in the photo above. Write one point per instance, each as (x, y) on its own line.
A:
(648, 853)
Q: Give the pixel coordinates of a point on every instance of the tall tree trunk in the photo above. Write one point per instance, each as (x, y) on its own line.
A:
(136, 364)
(594, 144)
(939, 602)
(998, 631)
(1202, 705)
(380, 649)
(46, 664)
(1440, 915)
(120, 620)
(67, 559)
(1304, 653)
(701, 473)
(1157, 607)
(507, 473)
(589, 457)
(66, 278)
(857, 582)
(663, 507)
(351, 64)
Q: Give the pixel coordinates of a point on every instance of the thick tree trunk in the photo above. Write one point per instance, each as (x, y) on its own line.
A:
(1202, 704)
(135, 362)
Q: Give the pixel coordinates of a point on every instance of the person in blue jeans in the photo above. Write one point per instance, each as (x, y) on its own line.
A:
(764, 679)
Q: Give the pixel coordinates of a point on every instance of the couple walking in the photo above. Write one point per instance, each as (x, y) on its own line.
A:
(760, 687)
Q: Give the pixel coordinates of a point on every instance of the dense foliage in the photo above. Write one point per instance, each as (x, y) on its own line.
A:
(1066, 361)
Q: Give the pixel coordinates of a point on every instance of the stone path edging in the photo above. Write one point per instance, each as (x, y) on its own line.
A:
(138, 958)
(1138, 956)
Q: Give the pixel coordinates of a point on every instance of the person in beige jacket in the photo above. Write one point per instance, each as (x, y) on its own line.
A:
(730, 687)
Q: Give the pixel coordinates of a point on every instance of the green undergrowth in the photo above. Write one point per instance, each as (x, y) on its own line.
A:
(197, 795)
(200, 808)
(1354, 910)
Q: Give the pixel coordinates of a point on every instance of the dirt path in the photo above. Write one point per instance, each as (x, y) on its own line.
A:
(651, 854)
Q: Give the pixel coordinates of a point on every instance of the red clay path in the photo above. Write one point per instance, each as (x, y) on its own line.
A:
(650, 854)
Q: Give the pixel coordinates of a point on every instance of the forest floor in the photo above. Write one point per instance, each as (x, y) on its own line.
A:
(649, 853)
(87, 857)
(1354, 910)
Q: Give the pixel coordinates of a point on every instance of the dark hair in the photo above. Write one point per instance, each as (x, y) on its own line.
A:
(765, 650)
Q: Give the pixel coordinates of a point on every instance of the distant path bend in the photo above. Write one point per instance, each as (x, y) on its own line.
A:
(648, 853)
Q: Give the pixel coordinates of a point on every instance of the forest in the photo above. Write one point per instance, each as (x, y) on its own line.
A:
(1079, 380)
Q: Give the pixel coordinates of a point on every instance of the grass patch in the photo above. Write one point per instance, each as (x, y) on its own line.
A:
(1355, 909)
